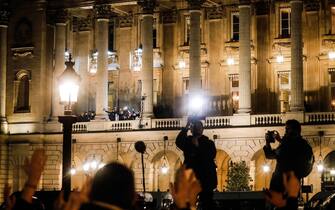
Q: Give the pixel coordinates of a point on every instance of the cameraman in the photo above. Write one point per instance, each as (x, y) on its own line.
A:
(199, 153)
(293, 154)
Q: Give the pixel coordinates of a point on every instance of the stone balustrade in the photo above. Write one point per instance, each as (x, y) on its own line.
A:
(174, 123)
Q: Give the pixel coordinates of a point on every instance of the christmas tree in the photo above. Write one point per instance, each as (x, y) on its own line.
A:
(238, 177)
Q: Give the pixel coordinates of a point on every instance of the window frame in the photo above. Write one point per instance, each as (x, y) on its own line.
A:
(281, 11)
(232, 32)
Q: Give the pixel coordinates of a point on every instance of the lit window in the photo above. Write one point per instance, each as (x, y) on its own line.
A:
(284, 81)
(285, 23)
(187, 30)
(235, 22)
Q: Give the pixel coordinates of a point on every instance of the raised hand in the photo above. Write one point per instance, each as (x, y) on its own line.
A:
(186, 188)
(35, 166)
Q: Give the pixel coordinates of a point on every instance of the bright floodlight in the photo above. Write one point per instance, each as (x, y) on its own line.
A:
(73, 171)
(280, 59)
(230, 61)
(196, 103)
(320, 167)
(332, 172)
(181, 64)
(266, 168)
(331, 55)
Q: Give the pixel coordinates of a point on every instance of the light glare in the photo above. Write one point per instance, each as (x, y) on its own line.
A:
(280, 59)
(230, 61)
(266, 168)
(73, 171)
(320, 167)
(68, 92)
(331, 55)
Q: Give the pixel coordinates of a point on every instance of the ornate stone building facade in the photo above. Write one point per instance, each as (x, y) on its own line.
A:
(257, 63)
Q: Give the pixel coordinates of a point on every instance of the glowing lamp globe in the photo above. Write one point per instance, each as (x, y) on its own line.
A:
(320, 167)
(69, 84)
(266, 168)
(331, 55)
(280, 59)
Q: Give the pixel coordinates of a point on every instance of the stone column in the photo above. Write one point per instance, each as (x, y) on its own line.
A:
(61, 18)
(195, 46)
(297, 92)
(83, 44)
(4, 14)
(244, 58)
(102, 16)
(147, 55)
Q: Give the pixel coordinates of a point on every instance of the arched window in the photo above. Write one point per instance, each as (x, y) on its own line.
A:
(22, 86)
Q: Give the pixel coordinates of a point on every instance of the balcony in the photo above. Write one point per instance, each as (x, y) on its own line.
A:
(262, 120)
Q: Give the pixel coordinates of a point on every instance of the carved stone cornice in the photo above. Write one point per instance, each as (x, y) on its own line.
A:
(102, 11)
(195, 4)
(214, 13)
(148, 6)
(312, 5)
(169, 17)
(262, 8)
(85, 24)
(61, 16)
(4, 14)
(125, 21)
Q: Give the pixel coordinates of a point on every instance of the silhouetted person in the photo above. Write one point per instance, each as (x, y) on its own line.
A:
(199, 153)
(113, 187)
(293, 154)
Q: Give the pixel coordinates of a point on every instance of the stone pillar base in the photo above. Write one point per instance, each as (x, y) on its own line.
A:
(241, 119)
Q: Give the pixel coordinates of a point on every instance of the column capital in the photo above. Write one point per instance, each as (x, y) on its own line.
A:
(61, 16)
(262, 8)
(4, 14)
(312, 5)
(169, 17)
(195, 4)
(148, 6)
(244, 2)
(102, 11)
(85, 24)
(214, 13)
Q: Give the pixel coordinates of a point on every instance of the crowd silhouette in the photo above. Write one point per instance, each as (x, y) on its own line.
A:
(113, 186)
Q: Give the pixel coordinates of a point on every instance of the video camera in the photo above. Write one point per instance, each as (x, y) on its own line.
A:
(270, 136)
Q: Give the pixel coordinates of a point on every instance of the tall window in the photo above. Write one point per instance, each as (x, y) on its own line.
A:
(235, 23)
(154, 35)
(284, 82)
(332, 87)
(187, 30)
(22, 100)
(333, 20)
(111, 37)
(186, 85)
(285, 23)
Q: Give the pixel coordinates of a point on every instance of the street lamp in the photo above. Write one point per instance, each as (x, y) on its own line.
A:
(68, 89)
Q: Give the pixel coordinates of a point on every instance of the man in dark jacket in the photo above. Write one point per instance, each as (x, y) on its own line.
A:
(199, 153)
(293, 154)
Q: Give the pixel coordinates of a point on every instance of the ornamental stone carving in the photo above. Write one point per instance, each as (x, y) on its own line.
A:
(169, 17)
(312, 5)
(84, 24)
(102, 11)
(148, 6)
(195, 4)
(125, 21)
(4, 16)
(61, 16)
(215, 13)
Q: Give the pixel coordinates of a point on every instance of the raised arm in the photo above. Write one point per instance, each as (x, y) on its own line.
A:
(181, 138)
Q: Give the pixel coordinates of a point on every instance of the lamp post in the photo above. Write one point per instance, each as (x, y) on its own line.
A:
(68, 89)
